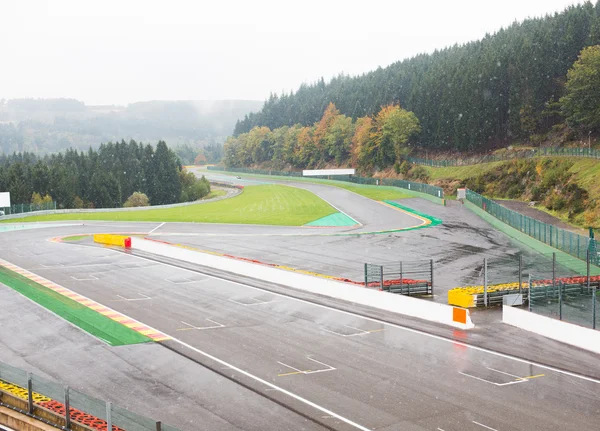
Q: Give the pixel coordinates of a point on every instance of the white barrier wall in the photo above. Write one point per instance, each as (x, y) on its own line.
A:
(440, 313)
(575, 335)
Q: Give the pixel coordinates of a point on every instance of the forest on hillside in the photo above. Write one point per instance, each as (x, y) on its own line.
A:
(492, 92)
(102, 178)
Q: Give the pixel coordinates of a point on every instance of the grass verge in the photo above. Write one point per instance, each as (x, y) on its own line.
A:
(85, 318)
(263, 204)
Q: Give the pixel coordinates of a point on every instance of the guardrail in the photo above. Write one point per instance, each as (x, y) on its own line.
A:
(428, 189)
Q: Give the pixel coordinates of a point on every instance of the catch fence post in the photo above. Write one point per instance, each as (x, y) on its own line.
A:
(366, 276)
(520, 273)
(554, 272)
(529, 293)
(29, 394)
(560, 300)
(431, 273)
(158, 426)
(67, 409)
(485, 282)
(588, 256)
(108, 416)
(594, 308)
(381, 277)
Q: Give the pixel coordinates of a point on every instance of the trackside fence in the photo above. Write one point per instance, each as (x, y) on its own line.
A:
(574, 301)
(27, 208)
(66, 408)
(428, 189)
(402, 277)
(561, 239)
(537, 152)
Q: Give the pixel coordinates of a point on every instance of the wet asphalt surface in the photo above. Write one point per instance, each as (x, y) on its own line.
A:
(356, 372)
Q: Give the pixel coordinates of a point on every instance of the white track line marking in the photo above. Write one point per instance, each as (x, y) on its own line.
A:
(156, 228)
(275, 387)
(216, 325)
(503, 372)
(142, 298)
(393, 325)
(485, 426)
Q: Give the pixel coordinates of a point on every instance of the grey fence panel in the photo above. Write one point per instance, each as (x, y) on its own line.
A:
(13, 375)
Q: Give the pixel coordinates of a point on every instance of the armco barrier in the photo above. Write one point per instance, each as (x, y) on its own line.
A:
(558, 330)
(109, 239)
(423, 309)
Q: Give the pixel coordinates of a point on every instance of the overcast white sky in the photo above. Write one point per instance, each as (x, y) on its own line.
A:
(117, 52)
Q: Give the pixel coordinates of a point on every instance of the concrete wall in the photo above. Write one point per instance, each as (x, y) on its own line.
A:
(575, 335)
(409, 306)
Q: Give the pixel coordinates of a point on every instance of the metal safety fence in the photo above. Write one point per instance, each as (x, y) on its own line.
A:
(530, 153)
(402, 277)
(65, 407)
(570, 300)
(428, 189)
(27, 208)
(561, 239)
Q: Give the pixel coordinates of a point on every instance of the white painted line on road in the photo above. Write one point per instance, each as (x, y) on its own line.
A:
(392, 325)
(156, 228)
(358, 333)
(90, 277)
(274, 387)
(258, 302)
(190, 327)
(141, 298)
(485, 426)
(439, 429)
(503, 372)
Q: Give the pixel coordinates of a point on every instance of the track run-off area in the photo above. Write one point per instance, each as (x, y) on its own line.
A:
(243, 354)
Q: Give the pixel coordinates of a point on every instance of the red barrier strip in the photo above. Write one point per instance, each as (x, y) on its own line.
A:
(78, 416)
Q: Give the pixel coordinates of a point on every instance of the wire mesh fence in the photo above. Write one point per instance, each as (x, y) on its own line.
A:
(62, 406)
(27, 208)
(570, 300)
(529, 153)
(402, 277)
(561, 239)
(428, 189)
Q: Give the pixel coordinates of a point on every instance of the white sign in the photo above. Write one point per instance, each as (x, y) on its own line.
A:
(315, 172)
(4, 199)
(462, 193)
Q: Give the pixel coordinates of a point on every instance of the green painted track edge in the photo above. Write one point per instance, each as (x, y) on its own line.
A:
(90, 321)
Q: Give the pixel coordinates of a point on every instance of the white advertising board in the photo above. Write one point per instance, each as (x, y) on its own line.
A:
(4, 199)
(316, 172)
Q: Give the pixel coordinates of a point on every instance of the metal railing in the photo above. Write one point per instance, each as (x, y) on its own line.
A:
(537, 152)
(561, 239)
(27, 208)
(402, 277)
(428, 189)
(67, 408)
(573, 302)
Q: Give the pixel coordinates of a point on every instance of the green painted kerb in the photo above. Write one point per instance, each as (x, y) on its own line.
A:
(333, 220)
(85, 318)
(434, 220)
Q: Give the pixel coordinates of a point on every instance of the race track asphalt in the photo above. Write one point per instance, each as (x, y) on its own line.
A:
(244, 356)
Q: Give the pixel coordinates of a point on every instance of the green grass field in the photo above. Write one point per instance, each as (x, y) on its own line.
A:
(264, 204)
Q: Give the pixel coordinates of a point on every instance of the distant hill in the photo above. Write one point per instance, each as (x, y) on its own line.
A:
(491, 92)
(52, 125)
